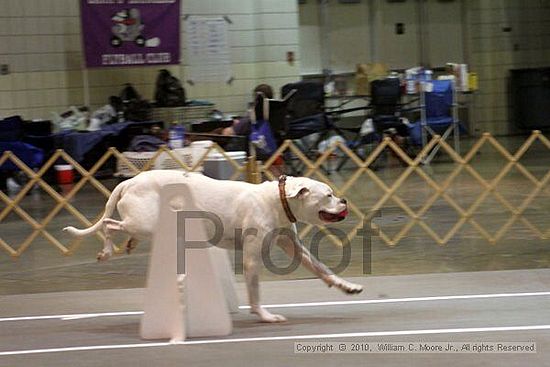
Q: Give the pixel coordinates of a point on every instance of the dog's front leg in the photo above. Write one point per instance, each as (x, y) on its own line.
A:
(252, 262)
(292, 248)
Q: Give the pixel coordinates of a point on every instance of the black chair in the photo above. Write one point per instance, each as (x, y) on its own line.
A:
(386, 113)
(305, 111)
(308, 99)
(304, 115)
(387, 109)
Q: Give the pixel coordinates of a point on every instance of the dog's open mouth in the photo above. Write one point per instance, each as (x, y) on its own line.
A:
(333, 217)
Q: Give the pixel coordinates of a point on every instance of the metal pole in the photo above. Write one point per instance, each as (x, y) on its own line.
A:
(456, 125)
(423, 120)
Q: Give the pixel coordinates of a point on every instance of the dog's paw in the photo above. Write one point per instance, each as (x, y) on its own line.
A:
(103, 255)
(266, 316)
(344, 285)
(352, 288)
(130, 245)
(273, 318)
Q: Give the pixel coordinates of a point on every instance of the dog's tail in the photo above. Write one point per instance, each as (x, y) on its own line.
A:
(109, 209)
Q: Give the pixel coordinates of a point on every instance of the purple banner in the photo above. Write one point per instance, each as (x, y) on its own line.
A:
(130, 32)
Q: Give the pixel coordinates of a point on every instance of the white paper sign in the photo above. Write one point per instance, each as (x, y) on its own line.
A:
(208, 54)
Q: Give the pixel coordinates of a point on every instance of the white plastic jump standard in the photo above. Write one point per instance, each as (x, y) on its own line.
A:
(191, 305)
(220, 260)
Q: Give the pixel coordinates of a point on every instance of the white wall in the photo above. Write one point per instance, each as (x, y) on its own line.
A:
(365, 32)
(494, 52)
(398, 51)
(310, 38)
(348, 40)
(261, 33)
(41, 42)
(445, 37)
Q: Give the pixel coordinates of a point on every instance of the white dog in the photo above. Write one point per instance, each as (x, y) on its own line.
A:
(239, 205)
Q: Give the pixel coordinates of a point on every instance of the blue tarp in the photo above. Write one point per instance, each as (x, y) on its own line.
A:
(29, 154)
(75, 143)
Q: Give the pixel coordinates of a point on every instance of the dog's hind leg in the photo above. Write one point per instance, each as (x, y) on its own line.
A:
(251, 276)
(109, 226)
(115, 225)
(108, 246)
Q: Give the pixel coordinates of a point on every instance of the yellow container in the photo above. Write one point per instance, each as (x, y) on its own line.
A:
(472, 81)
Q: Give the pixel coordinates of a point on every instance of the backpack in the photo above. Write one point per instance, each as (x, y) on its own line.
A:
(134, 108)
(129, 93)
(261, 135)
(137, 110)
(169, 91)
(262, 138)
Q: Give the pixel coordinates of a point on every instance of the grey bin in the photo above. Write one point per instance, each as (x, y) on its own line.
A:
(217, 166)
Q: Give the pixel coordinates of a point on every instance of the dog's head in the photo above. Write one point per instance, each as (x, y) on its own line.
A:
(120, 17)
(314, 202)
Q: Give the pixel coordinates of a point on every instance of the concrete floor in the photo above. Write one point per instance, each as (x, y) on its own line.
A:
(471, 307)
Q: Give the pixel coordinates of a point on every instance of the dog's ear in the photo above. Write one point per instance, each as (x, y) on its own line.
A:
(299, 191)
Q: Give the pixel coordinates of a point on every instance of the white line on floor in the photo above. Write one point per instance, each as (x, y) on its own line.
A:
(73, 316)
(397, 300)
(290, 305)
(282, 338)
(100, 314)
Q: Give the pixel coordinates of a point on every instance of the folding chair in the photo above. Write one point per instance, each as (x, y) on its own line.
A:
(386, 114)
(387, 109)
(304, 116)
(439, 115)
(305, 113)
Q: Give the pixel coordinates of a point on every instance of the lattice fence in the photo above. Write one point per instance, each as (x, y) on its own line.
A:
(439, 190)
(63, 201)
(315, 168)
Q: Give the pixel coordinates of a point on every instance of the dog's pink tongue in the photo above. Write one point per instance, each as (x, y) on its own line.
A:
(343, 213)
